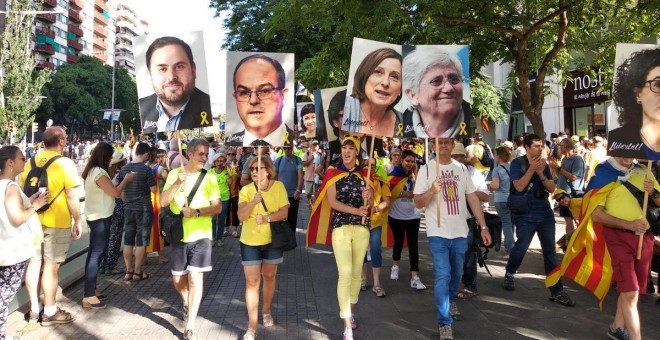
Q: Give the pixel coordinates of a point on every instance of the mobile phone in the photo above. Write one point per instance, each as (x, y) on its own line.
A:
(42, 189)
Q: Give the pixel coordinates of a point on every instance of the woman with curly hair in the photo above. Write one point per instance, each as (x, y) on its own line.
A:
(637, 99)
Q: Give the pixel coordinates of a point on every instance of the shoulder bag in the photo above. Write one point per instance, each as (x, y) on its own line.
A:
(283, 238)
(171, 224)
(652, 210)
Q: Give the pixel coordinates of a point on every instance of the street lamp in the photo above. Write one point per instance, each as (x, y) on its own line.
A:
(112, 102)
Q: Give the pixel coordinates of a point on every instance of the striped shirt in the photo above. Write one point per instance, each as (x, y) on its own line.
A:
(137, 193)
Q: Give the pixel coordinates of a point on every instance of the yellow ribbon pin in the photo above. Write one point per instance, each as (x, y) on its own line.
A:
(399, 130)
(463, 132)
(204, 120)
(286, 138)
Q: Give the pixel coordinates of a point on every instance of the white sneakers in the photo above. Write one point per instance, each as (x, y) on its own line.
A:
(395, 273)
(416, 283)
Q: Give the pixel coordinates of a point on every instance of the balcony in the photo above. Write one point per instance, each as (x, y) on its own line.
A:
(125, 47)
(100, 18)
(45, 64)
(77, 4)
(75, 16)
(101, 57)
(50, 3)
(100, 44)
(75, 30)
(75, 45)
(45, 31)
(100, 4)
(49, 18)
(128, 27)
(43, 48)
(71, 59)
(100, 31)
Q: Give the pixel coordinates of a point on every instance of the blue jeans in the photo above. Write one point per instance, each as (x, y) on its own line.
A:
(470, 264)
(539, 220)
(375, 247)
(507, 224)
(448, 256)
(99, 232)
(219, 221)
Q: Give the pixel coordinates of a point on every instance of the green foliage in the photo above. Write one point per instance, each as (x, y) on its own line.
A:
(78, 91)
(486, 100)
(20, 88)
(540, 38)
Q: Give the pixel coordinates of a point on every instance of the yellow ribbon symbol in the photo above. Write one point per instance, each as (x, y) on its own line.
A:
(204, 121)
(399, 130)
(463, 132)
(286, 137)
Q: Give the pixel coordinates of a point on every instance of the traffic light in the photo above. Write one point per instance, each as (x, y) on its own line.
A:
(12, 127)
(35, 127)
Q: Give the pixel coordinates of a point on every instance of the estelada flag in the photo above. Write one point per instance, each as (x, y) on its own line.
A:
(379, 219)
(318, 229)
(397, 184)
(587, 260)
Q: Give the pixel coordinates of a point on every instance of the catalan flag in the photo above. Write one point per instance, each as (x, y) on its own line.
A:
(318, 229)
(587, 260)
(397, 183)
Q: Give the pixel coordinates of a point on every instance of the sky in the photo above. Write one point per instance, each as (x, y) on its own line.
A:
(195, 15)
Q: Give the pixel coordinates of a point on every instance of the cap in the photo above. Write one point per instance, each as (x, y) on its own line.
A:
(598, 139)
(218, 155)
(287, 146)
(353, 139)
(315, 142)
(557, 193)
(117, 157)
(305, 145)
(575, 138)
(209, 135)
(508, 144)
(459, 149)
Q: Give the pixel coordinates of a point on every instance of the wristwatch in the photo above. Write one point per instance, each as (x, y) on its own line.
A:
(483, 227)
(199, 213)
(268, 218)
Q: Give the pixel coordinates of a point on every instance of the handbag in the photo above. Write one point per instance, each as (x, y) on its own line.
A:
(171, 224)
(283, 238)
(652, 210)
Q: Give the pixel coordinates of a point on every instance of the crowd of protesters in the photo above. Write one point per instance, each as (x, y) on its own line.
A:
(128, 184)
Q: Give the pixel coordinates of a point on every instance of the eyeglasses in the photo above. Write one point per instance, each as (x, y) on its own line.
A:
(263, 94)
(453, 79)
(255, 168)
(654, 85)
(231, 154)
(561, 197)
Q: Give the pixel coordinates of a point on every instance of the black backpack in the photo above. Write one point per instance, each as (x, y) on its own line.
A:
(487, 160)
(38, 178)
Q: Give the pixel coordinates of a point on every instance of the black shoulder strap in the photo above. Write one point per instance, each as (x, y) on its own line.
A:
(196, 186)
(507, 171)
(635, 192)
(50, 161)
(262, 200)
(278, 162)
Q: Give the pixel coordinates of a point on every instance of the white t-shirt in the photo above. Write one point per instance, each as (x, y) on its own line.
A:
(456, 183)
(98, 204)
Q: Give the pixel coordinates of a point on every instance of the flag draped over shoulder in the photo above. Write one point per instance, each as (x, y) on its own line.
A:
(587, 260)
(397, 181)
(382, 188)
(318, 229)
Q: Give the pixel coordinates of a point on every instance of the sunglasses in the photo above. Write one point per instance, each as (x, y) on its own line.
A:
(255, 168)
(561, 197)
(231, 154)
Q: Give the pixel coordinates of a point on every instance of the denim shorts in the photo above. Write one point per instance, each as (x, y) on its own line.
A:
(256, 255)
(137, 227)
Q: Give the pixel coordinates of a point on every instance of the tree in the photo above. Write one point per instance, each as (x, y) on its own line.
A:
(540, 38)
(21, 84)
(78, 91)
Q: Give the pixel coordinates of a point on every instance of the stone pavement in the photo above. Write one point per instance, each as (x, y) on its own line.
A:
(305, 304)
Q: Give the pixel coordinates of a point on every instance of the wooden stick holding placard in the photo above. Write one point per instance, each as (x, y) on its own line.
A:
(371, 153)
(437, 174)
(426, 151)
(644, 208)
(258, 179)
(179, 137)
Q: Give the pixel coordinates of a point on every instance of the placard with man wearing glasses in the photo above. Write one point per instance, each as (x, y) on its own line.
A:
(260, 94)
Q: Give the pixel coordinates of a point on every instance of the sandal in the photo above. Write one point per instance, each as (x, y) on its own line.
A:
(128, 276)
(466, 294)
(268, 320)
(364, 285)
(141, 276)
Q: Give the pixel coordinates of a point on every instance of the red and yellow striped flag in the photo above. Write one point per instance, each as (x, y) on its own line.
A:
(587, 260)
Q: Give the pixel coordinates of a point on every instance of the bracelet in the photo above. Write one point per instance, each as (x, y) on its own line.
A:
(483, 228)
(655, 194)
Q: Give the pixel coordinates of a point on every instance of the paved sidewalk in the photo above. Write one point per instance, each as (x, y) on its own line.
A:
(305, 304)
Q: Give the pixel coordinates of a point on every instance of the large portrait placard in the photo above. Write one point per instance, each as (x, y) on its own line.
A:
(260, 99)
(172, 82)
(632, 124)
(374, 90)
(436, 91)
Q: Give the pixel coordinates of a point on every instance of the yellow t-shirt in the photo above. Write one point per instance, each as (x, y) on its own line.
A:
(275, 198)
(377, 218)
(62, 174)
(194, 228)
(620, 203)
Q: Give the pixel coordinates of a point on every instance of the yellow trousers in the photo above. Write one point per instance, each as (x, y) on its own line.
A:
(349, 243)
